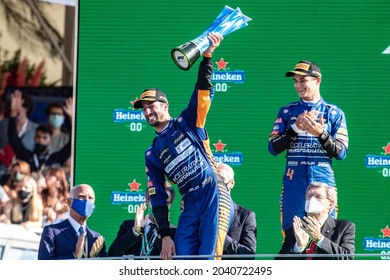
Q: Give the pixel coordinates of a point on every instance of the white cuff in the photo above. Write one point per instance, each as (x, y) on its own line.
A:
(136, 233)
(297, 249)
(295, 128)
(319, 243)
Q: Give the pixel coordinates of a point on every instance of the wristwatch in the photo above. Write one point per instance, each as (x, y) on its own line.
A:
(323, 136)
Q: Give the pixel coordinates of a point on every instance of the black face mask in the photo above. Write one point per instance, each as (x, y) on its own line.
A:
(40, 148)
(23, 195)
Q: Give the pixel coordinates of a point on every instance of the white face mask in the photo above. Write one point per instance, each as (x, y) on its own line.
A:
(313, 206)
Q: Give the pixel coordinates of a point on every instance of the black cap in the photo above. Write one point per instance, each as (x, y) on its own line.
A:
(305, 68)
(150, 94)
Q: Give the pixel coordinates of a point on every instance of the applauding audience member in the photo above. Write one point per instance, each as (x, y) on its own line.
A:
(72, 238)
(139, 237)
(319, 232)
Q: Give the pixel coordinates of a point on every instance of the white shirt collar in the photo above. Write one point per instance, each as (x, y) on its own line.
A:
(76, 225)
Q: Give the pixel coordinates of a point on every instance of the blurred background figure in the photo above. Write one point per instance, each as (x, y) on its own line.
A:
(41, 156)
(23, 107)
(26, 208)
(17, 171)
(4, 199)
(55, 115)
(55, 195)
(8, 183)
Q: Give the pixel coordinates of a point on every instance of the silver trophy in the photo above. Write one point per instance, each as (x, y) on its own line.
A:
(227, 21)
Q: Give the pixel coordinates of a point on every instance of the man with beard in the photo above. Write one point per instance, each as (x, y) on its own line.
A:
(181, 153)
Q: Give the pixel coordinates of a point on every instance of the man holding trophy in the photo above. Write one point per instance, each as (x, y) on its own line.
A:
(181, 153)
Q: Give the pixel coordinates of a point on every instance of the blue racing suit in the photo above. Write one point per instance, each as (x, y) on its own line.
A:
(308, 158)
(181, 153)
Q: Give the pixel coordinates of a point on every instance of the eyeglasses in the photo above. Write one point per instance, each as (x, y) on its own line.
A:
(317, 196)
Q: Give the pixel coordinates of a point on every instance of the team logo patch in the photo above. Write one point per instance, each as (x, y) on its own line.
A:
(152, 191)
(279, 120)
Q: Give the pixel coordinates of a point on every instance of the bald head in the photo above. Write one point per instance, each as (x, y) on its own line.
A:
(83, 191)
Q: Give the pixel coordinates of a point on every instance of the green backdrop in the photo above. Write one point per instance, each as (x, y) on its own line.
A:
(124, 46)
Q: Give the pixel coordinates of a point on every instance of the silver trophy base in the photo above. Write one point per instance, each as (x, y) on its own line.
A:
(185, 55)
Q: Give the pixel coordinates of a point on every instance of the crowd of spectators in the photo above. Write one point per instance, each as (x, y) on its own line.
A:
(34, 162)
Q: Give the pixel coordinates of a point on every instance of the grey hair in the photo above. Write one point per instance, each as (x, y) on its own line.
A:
(228, 168)
(331, 192)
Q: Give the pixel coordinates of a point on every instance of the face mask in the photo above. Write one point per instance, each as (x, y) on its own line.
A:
(18, 176)
(56, 120)
(40, 148)
(23, 195)
(313, 206)
(83, 207)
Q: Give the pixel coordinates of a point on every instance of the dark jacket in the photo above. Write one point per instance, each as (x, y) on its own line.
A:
(339, 238)
(242, 235)
(58, 241)
(127, 243)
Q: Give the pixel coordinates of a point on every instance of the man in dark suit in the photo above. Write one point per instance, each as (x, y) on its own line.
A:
(139, 237)
(319, 233)
(241, 238)
(71, 238)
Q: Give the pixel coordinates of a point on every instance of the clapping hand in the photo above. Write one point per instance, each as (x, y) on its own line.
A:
(312, 227)
(140, 219)
(96, 247)
(79, 250)
(301, 235)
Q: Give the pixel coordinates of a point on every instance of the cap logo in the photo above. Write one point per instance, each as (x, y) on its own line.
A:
(149, 93)
(302, 66)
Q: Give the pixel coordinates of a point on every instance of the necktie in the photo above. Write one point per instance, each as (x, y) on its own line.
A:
(311, 249)
(149, 238)
(81, 231)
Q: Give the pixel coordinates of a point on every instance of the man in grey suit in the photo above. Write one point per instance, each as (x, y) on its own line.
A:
(318, 232)
(72, 238)
(241, 238)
